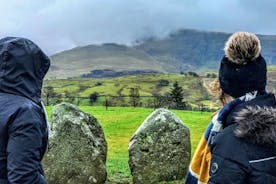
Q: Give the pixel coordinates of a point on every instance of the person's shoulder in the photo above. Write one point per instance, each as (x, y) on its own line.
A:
(226, 136)
(29, 106)
(19, 103)
(252, 132)
(228, 146)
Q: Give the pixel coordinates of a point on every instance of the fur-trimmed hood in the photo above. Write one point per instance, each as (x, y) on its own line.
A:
(257, 125)
(242, 47)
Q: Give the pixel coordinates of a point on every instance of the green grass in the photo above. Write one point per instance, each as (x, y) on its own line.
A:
(120, 123)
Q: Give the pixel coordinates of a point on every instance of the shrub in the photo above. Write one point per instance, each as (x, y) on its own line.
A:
(163, 82)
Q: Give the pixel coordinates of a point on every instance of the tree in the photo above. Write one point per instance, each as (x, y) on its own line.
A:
(161, 100)
(107, 102)
(163, 82)
(134, 96)
(48, 92)
(176, 94)
(98, 84)
(193, 74)
(93, 97)
(68, 97)
(211, 75)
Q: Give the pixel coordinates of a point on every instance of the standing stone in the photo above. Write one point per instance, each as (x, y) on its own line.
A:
(160, 149)
(77, 148)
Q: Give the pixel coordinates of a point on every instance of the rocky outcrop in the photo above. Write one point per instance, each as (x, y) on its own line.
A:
(160, 149)
(77, 148)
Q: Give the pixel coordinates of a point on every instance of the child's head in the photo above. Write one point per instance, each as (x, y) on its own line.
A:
(242, 69)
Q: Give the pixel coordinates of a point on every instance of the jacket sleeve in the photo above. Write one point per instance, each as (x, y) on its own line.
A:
(24, 148)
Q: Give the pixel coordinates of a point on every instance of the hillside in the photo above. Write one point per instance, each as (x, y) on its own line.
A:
(117, 90)
(198, 50)
(82, 60)
(182, 51)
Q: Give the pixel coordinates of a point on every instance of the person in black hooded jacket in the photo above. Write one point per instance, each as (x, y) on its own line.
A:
(243, 146)
(23, 126)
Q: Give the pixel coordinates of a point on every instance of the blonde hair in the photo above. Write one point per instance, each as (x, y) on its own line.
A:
(214, 89)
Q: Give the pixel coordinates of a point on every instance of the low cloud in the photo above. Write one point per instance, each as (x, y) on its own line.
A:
(58, 25)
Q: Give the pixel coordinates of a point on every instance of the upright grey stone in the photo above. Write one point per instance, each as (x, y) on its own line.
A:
(77, 148)
(160, 149)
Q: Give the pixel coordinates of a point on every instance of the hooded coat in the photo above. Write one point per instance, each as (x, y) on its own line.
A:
(244, 151)
(23, 126)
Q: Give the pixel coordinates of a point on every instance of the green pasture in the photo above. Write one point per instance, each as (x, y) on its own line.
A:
(120, 123)
(121, 85)
(148, 85)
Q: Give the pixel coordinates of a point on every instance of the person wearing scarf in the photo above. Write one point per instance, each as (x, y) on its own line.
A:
(239, 144)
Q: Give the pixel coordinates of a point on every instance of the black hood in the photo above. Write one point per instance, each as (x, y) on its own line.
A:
(23, 66)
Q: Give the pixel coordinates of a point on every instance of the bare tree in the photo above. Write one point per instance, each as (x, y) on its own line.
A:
(134, 96)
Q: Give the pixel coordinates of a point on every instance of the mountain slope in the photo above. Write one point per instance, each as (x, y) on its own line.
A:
(82, 60)
(198, 50)
(182, 51)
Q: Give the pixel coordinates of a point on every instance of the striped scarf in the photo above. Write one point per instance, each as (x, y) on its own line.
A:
(199, 167)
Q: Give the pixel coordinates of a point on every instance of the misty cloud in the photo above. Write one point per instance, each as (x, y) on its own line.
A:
(57, 25)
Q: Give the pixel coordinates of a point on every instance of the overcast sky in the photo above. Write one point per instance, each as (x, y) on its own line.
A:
(57, 25)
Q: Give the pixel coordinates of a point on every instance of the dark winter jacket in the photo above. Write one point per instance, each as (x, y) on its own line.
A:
(23, 127)
(244, 151)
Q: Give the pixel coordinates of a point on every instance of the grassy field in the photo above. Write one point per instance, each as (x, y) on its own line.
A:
(109, 88)
(120, 123)
(120, 85)
(148, 85)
